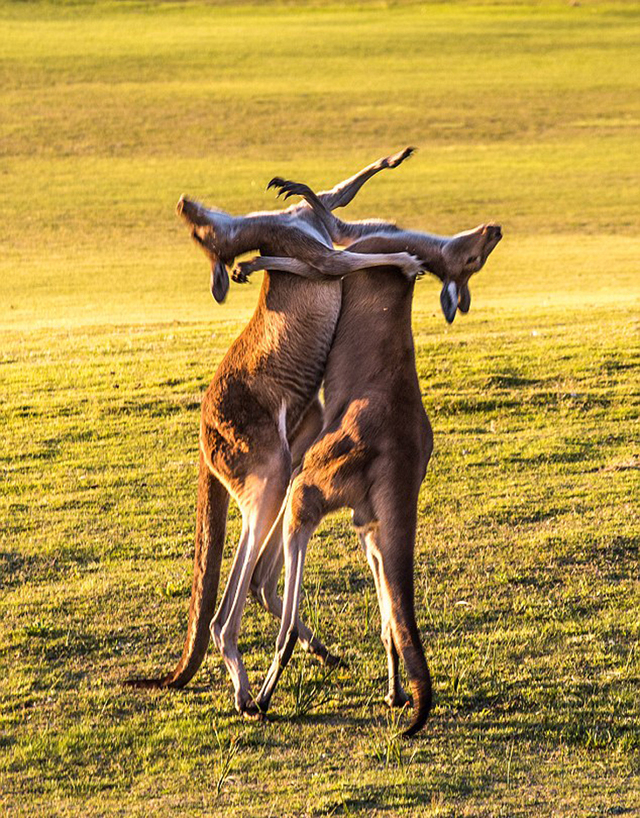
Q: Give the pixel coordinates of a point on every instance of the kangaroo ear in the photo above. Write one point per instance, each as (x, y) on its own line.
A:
(464, 299)
(219, 281)
(449, 301)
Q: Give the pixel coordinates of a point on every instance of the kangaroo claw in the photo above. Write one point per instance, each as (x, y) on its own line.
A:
(241, 272)
(398, 158)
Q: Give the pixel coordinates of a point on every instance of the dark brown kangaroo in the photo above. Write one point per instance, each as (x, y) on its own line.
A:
(261, 411)
(446, 256)
(376, 441)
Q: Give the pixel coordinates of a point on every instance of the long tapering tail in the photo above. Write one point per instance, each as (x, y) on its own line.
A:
(422, 697)
(211, 525)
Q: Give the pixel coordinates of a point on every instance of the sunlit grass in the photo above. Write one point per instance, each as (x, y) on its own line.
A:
(527, 564)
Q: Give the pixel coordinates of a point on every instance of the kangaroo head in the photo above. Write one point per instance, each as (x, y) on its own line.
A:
(203, 225)
(463, 255)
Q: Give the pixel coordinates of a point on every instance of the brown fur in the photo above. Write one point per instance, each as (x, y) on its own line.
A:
(260, 412)
(453, 260)
(374, 447)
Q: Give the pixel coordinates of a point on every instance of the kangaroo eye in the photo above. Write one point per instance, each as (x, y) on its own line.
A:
(472, 260)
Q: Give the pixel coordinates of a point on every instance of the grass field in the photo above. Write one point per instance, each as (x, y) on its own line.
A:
(527, 563)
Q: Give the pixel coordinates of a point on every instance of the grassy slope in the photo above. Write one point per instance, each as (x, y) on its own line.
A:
(529, 529)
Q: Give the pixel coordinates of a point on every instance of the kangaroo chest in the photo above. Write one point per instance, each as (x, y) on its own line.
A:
(283, 351)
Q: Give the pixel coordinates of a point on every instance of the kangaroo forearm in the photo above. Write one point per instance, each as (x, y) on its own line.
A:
(334, 264)
(346, 233)
(289, 265)
(340, 265)
(426, 247)
(344, 192)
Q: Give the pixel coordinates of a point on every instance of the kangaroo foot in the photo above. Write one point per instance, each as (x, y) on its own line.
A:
(316, 649)
(328, 659)
(331, 660)
(252, 712)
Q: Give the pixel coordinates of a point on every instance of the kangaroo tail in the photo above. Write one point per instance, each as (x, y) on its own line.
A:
(395, 542)
(407, 642)
(211, 524)
(422, 697)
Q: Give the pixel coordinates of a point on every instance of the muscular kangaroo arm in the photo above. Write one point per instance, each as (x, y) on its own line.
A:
(323, 203)
(343, 192)
(336, 265)
(427, 248)
(341, 232)
(244, 269)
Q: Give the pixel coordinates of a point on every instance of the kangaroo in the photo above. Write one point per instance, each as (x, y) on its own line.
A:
(445, 254)
(261, 410)
(374, 447)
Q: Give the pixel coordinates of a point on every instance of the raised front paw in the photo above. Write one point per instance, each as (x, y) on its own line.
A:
(243, 269)
(411, 266)
(398, 158)
(287, 188)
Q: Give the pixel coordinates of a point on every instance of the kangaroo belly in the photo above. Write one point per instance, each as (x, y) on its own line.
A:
(375, 427)
(280, 357)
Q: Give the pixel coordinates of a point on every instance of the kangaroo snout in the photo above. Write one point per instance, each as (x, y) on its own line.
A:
(193, 212)
(493, 231)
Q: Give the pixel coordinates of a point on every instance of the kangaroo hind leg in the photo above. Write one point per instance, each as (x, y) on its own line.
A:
(260, 499)
(396, 696)
(300, 521)
(264, 587)
(391, 545)
(264, 582)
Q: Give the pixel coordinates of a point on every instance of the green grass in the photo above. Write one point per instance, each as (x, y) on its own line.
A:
(527, 562)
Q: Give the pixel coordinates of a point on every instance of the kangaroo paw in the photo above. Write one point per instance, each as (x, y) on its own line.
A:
(398, 158)
(243, 269)
(412, 268)
(280, 184)
(287, 188)
(277, 181)
(239, 275)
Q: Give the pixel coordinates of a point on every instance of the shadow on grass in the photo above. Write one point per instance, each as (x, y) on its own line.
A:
(17, 568)
(152, 408)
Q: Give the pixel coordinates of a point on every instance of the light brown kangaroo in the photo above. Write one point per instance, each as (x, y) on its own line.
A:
(376, 441)
(261, 411)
